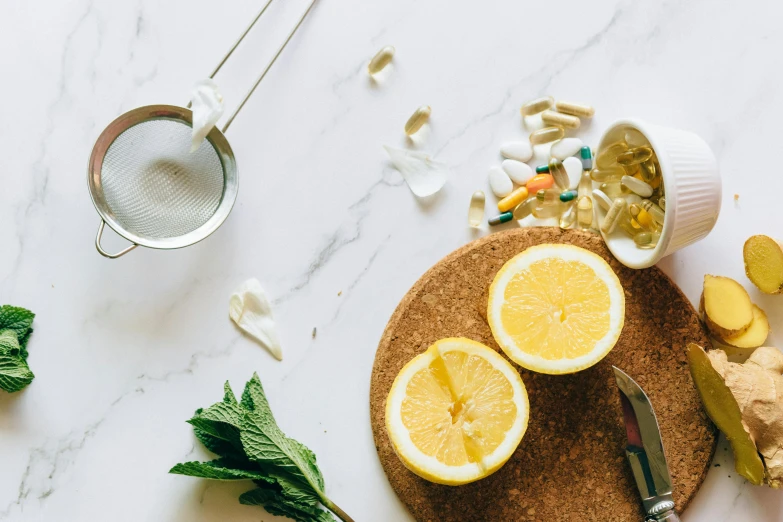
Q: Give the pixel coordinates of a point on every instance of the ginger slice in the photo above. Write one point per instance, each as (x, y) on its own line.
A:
(764, 263)
(727, 308)
(756, 333)
(725, 412)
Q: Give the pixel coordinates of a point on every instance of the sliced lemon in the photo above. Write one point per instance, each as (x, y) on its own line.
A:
(556, 308)
(457, 412)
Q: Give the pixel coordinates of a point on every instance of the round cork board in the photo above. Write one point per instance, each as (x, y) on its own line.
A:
(571, 463)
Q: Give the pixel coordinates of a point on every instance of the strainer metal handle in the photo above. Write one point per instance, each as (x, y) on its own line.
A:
(105, 253)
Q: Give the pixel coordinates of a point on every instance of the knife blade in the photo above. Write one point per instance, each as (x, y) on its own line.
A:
(644, 451)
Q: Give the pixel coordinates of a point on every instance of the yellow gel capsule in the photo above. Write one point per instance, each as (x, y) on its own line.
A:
(635, 156)
(381, 60)
(524, 209)
(548, 211)
(556, 119)
(537, 105)
(642, 218)
(417, 119)
(575, 109)
(568, 217)
(548, 196)
(546, 135)
(584, 212)
(654, 210)
(608, 157)
(476, 210)
(559, 174)
(513, 199)
(607, 175)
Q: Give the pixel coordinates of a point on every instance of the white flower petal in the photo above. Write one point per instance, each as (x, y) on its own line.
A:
(207, 107)
(249, 308)
(424, 175)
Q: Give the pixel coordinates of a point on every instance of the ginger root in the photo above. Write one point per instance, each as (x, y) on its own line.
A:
(727, 308)
(756, 333)
(764, 263)
(746, 403)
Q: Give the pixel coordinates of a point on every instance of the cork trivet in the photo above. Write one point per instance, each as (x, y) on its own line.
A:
(571, 463)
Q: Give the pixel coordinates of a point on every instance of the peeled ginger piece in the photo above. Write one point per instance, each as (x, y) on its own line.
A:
(727, 308)
(755, 335)
(764, 263)
(746, 403)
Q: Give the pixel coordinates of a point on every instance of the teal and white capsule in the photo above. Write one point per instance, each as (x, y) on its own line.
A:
(586, 155)
(613, 216)
(542, 169)
(568, 195)
(505, 217)
(638, 186)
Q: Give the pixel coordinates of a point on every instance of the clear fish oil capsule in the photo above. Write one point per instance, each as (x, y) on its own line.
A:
(612, 189)
(476, 210)
(635, 156)
(523, 210)
(642, 217)
(542, 211)
(505, 217)
(608, 157)
(560, 120)
(417, 119)
(608, 174)
(654, 210)
(536, 106)
(613, 216)
(568, 217)
(548, 196)
(558, 172)
(381, 60)
(575, 109)
(584, 212)
(634, 138)
(546, 135)
(648, 171)
(643, 239)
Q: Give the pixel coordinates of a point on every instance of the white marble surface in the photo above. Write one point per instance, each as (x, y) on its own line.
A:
(125, 350)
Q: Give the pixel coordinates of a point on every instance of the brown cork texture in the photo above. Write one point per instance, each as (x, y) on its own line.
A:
(571, 463)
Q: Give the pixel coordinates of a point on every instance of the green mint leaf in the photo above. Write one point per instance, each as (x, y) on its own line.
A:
(23, 342)
(277, 504)
(221, 421)
(265, 443)
(14, 372)
(9, 344)
(219, 446)
(17, 319)
(220, 469)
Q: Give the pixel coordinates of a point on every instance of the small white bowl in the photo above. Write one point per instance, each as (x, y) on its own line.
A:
(692, 186)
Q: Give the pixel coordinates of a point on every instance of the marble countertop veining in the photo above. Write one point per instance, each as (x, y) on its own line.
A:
(125, 350)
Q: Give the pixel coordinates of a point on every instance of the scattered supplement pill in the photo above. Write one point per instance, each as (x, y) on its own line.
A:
(642, 239)
(559, 174)
(499, 182)
(648, 171)
(575, 109)
(539, 182)
(537, 105)
(519, 172)
(546, 135)
(641, 217)
(417, 119)
(584, 212)
(586, 156)
(736, 197)
(542, 169)
(505, 217)
(613, 215)
(634, 138)
(560, 120)
(548, 196)
(517, 150)
(585, 186)
(573, 167)
(634, 156)
(562, 149)
(524, 209)
(602, 199)
(608, 157)
(381, 60)
(542, 211)
(568, 217)
(608, 174)
(612, 189)
(633, 170)
(654, 210)
(662, 203)
(568, 195)
(513, 199)
(638, 186)
(476, 210)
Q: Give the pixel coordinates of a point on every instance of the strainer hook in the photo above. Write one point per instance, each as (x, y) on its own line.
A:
(105, 253)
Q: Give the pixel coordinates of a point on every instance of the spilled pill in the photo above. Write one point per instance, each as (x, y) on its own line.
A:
(499, 182)
(519, 172)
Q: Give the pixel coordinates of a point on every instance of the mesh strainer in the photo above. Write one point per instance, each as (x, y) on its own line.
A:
(147, 185)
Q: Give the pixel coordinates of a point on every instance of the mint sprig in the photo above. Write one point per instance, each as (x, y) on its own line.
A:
(250, 445)
(15, 330)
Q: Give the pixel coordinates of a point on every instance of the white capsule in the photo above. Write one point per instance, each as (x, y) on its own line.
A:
(602, 199)
(518, 172)
(561, 149)
(517, 150)
(573, 167)
(499, 182)
(638, 186)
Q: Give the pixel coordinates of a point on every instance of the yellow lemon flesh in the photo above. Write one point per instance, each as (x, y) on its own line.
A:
(457, 412)
(556, 308)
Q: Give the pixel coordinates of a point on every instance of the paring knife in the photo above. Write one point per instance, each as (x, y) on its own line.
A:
(645, 451)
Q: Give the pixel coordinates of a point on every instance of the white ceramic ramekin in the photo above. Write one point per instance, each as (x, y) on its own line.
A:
(692, 185)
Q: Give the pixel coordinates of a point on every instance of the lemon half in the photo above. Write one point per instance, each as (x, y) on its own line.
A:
(556, 308)
(457, 412)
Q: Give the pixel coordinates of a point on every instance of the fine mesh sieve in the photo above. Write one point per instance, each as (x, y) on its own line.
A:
(147, 185)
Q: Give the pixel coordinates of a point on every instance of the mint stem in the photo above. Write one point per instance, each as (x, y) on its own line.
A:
(334, 508)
